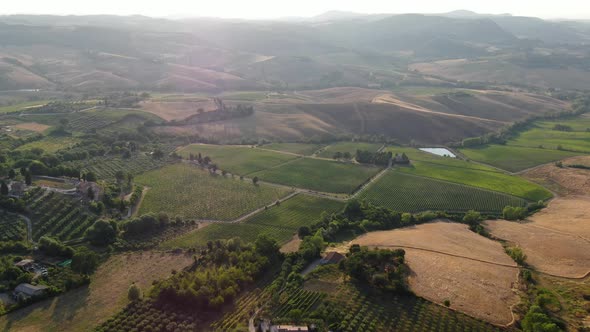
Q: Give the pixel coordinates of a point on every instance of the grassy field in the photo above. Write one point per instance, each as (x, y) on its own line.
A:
(241, 160)
(51, 144)
(350, 147)
(298, 148)
(471, 174)
(279, 222)
(408, 193)
(188, 191)
(515, 158)
(543, 134)
(22, 106)
(319, 175)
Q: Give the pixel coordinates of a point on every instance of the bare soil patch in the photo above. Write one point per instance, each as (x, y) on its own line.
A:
(177, 110)
(84, 308)
(478, 289)
(563, 180)
(32, 126)
(291, 246)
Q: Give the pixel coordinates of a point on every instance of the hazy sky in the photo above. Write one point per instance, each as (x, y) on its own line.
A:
(264, 9)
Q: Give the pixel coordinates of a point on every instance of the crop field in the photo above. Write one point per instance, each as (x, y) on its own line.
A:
(240, 160)
(59, 216)
(297, 148)
(471, 174)
(350, 147)
(188, 191)
(320, 175)
(563, 180)
(32, 126)
(279, 222)
(364, 310)
(12, 227)
(51, 144)
(96, 119)
(176, 109)
(53, 184)
(408, 193)
(106, 167)
(515, 158)
(471, 266)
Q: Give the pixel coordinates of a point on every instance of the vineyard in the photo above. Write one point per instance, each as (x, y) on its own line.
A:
(303, 300)
(320, 175)
(237, 319)
(472, 174)
(12, 227)
(98, 119)
(361, 311)
(408, 193)
(146, 316)
(106, 167)
(193, 193)
(298, 148)
(59, 216)
(515, 158)
(241, 160)
(350, 147)
(279, 222)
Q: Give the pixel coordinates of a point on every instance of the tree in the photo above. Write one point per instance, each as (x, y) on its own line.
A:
(536, 320)
(84, 261)
(28, 178)
(134, 293)
(91, 177)
(295, 315)
(103, 232)
(255, 180)
(90, 193)
(11, 173)
(472, 217)
(3, 189)
(120, 176)
(303, 231)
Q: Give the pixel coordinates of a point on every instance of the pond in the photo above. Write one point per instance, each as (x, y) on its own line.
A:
(439, 152)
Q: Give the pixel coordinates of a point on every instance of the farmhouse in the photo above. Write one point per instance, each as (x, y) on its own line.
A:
(332, 258)
(401, 159)
(17, 188)
(24, 264)
(28, 290)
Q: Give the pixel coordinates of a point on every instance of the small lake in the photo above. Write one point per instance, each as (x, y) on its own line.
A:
(439, 152)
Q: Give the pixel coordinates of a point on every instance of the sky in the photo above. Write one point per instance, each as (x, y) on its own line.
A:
(268, 9)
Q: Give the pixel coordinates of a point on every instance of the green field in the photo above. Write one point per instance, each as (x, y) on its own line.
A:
(241, 160)
(350, 147)
(279, 222)
(514, 158)
(470, 173)
(185, 190)
(22, 106)
(51, 144)
(298, 148)
(542, 133)
(407, 193)
(319, 175)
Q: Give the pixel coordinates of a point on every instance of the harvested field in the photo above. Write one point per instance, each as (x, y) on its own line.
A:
(32, 126)
(563, 180)
(177, 110)
(478, 289)
(555, 240)
(444, 237)
(84, 308)
(449, 262)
